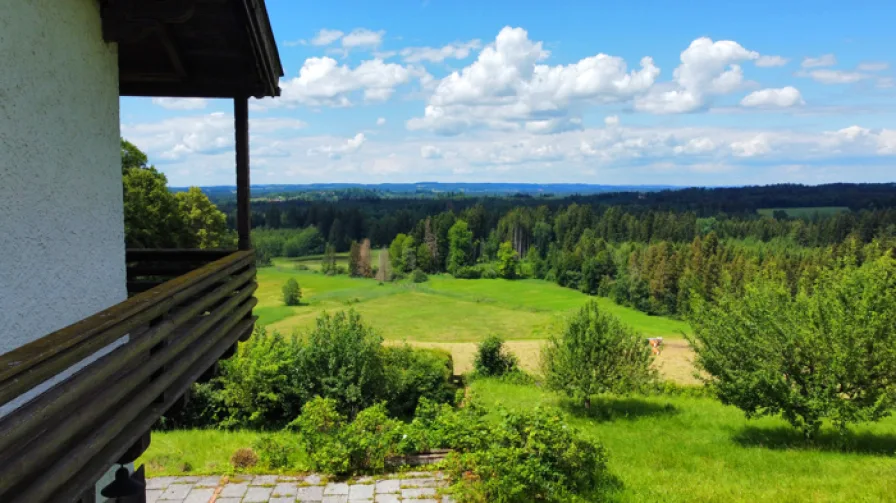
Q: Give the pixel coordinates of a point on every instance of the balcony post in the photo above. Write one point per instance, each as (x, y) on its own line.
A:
(243, 209)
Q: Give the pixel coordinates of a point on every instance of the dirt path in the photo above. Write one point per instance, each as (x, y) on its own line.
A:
(675, 361)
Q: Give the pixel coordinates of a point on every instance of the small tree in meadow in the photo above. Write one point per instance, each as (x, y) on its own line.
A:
(508, 261)
(493, 359)
(596, 353)
(292, 294)
(827, 353)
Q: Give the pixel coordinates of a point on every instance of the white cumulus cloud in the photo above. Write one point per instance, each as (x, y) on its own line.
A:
(180, 103)
(326, 37)
(362, 37)
(771, 61)
(336, 151)
(380, 121)
(825, 60)
(873, 66)
(456, 50)
(774, 98)
(509, 87)
(707, 68)
(430, 152)
(324, 82)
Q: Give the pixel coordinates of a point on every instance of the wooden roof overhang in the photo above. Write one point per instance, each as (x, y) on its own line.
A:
(193, 48)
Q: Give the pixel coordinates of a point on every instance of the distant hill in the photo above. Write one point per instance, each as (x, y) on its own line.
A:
(434, 188)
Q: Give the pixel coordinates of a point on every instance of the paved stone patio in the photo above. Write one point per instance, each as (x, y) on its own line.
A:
(412, 487)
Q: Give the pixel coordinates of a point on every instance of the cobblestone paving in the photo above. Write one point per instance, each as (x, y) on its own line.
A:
(412, 487)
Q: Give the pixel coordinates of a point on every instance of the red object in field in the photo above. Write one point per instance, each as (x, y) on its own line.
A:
(655, 344)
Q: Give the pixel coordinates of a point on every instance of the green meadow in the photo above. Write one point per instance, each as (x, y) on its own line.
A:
(442, 309)
(665, 448)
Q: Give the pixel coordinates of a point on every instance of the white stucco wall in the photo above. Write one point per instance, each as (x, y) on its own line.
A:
(61, 212)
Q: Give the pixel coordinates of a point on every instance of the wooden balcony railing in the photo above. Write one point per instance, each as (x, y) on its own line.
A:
(189, 308)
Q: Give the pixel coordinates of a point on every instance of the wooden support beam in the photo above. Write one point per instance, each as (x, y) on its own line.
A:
(243, 209)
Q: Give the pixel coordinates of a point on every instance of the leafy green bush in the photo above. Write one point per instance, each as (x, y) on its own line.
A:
(341, 359)
(335, 446)
(493, 359)
(467, 272)
(266, 383)
(275, 451)
(489, 272)
(825, 353)
(596, 353)
(292, 294)
(530, 456)
(419, 276)
(257, 387)
(414, 374)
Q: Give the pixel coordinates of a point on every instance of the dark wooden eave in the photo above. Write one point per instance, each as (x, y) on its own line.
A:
(193, 48)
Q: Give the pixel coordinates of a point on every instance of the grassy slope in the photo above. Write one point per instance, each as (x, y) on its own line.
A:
(443, 309)
(677, 449)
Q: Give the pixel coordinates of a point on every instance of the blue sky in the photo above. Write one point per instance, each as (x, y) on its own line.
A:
(682, 93)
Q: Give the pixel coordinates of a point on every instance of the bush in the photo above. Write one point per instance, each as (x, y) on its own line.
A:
(275, 452)
(292, 294)
(271, 377)
(493, 359)
(596, 353)
(530, 456)
(337, 447)
(419, 276)
(467, 272)
(415, 374)
(257, 388)
(302, 267)
(825, 353)
(489, 272)
(341, 359)
(243, 459)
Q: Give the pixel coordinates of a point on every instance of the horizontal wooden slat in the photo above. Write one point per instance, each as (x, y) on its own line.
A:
(110, 324)
(149, 254)
(59, 443)
(83, 463)
(23, 421)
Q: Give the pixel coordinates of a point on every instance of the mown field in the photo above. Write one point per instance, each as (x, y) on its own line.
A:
(450, 313)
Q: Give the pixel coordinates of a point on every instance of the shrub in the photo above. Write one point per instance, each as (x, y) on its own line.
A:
(415, 374)
(493, 359)
(596, 353)
(275, 451)
(337, 447)
(292, 294)
(302, 267)
(467, 272)
(419, 276)
(530, 456)
(825, 353)
(341, 359)
(243, 459)
(257, 388)
(489, 272)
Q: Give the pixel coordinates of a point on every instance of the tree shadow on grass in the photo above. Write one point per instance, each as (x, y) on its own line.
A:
(785, 438)
(606, 409)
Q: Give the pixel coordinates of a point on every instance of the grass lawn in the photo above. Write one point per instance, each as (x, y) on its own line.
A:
(678, 449)
(662, 449)
(805, 212)
(197, 452)
(450, 313)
